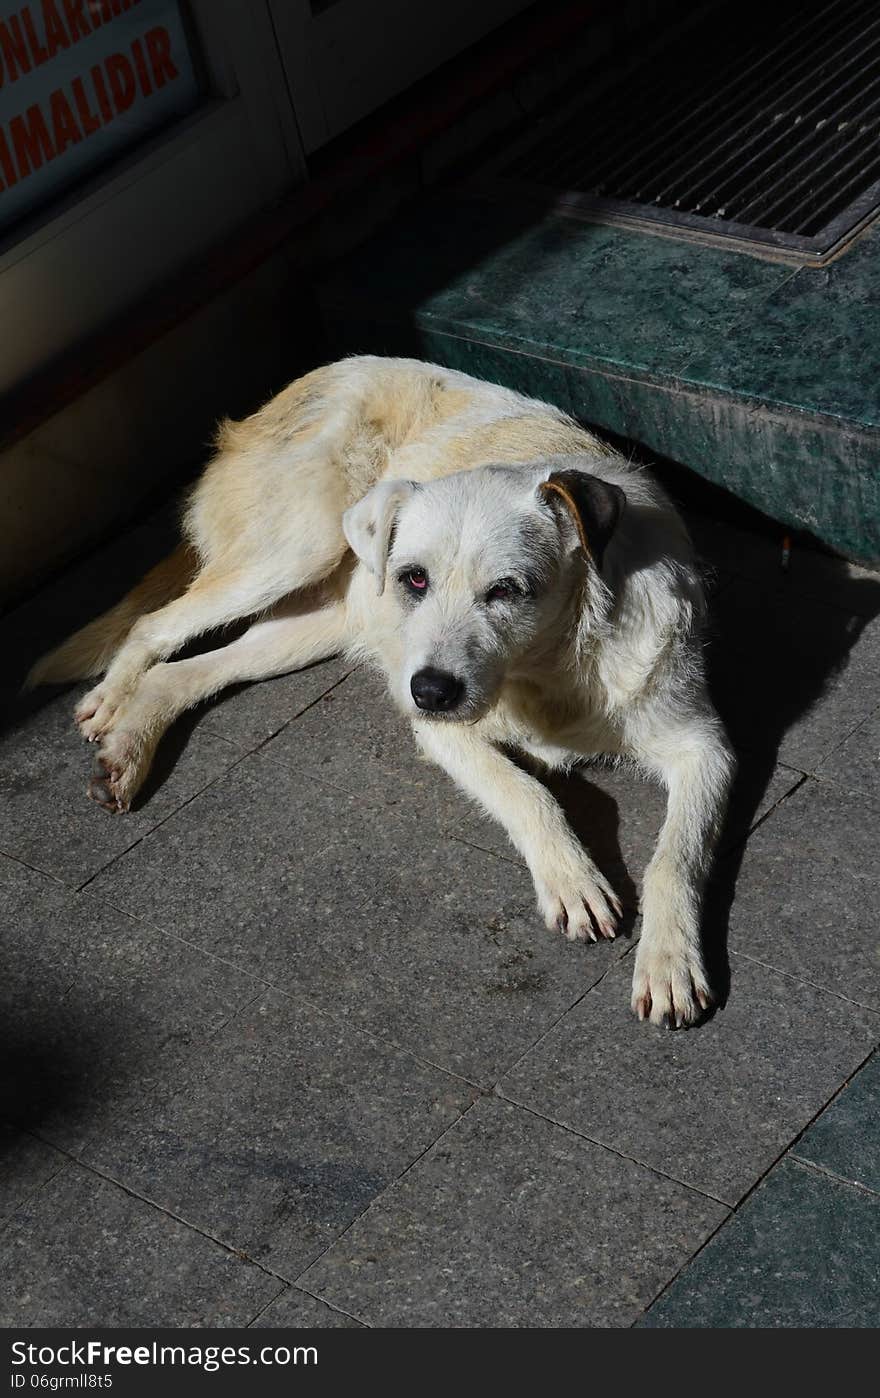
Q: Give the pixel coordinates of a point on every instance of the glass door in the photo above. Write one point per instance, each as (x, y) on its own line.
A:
(344, 58)
(134, 135)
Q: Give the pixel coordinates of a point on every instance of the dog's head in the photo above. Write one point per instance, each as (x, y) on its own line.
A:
(482, 568)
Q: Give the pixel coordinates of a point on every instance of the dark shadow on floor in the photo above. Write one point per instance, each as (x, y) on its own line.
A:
(772, 654)
(59, 1068)
(78, 595)
(595, 818)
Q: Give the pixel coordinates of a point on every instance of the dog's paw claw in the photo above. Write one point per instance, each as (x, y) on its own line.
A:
(580, 905)
(96, 713)
(105, 789)
(670, 989)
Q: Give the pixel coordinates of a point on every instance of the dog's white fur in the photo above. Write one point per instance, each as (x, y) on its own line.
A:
(312, 516)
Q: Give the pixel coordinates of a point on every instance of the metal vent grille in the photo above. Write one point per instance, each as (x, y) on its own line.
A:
(759, 125)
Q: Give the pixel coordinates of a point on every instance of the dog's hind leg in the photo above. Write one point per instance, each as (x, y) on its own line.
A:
(244, 574)
(216, 598)
(573, 896)
(693, 761)
(89, 651)
(289, 640)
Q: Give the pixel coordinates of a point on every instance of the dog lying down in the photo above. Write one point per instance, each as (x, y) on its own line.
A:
(520, 585)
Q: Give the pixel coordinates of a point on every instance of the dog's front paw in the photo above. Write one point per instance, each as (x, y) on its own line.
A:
(578, 901)
(669, 984)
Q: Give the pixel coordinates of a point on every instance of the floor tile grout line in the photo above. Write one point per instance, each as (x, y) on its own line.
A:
(215, 737)
(810, 985)
(490, 852)
(741, 841)
(268, 1306)
(159, 824)
(618, 961)
(392, 1184)
(83, 1163)
(174, 1087)
(789, 1150)
(260, 743)
(34, 869)
(221, 776)
(239, 1253)
(156, 929)
(614, 1150)
(389, 1041)
(843, 788)
(833, 1098)
(795, 772)
(339, 1310)
(828, 1174)
(33, 1194)
(265, 742)
(483, 849)
(295, 996)
(818, 773)
(291, 994)
(259, 987)
(201, 1044)
(386, 1043)
(87, 1167)
(724, 1223)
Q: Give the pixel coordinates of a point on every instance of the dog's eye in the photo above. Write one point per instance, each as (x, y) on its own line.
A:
(503, 591)
(415, 579)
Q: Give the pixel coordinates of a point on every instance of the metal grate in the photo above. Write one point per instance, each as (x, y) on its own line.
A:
(753, 124)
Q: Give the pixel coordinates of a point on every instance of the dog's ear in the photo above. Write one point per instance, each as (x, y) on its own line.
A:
(368, 525)
(595, 506)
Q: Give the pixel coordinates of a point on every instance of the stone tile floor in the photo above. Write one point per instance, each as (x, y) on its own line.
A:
(289, 1046)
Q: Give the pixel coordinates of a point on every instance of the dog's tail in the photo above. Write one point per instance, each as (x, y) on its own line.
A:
(88, 652)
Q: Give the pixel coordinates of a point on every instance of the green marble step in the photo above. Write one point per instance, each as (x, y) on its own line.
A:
(761, 377)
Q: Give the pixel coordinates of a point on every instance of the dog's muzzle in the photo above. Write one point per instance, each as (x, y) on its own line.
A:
(436, 691)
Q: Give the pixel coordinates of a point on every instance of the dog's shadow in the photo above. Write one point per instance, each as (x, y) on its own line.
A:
(595, 818)
(774, 650)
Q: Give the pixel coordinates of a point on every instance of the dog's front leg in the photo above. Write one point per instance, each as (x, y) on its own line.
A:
(670, 985)
(573, 895)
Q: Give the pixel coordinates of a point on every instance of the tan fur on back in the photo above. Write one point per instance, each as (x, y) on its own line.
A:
(402, 418)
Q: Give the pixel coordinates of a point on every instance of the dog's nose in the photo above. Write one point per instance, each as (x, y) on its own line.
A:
(435, 690)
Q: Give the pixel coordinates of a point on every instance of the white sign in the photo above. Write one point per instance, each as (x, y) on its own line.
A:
(80, 81)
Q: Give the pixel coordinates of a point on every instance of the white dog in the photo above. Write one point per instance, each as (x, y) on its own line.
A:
(519, 584)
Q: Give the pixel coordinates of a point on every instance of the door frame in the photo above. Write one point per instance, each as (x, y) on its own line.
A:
(74, 266)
